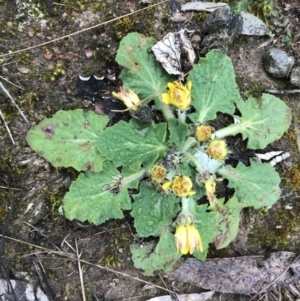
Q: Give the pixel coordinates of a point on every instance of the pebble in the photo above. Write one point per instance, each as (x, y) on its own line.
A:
(277, 62)
(295, 76)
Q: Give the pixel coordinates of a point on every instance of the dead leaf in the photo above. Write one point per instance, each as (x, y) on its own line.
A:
(242, 275)
(48, 54)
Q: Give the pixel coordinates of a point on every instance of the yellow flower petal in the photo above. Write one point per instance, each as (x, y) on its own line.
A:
(194, 239)
(166, 98)
(179, 95)
(167, 185)
(188, 239)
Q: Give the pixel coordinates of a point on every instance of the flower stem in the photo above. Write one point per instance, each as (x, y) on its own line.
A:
(135, 176)
(190, 157)
(168, 113)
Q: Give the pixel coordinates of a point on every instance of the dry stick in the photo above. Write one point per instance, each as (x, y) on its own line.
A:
(7, 128)
(85, 261)
(83, 30)
(7, 93)
(80, 271)
(275, 91)
(11, 83)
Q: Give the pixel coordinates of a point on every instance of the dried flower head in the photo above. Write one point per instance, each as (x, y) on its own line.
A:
(130, 99)
(158, 173)
(217, 149)
(203, 133)
(181, 186)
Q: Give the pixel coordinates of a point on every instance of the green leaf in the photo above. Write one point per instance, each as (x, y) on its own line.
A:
(178, 132)
(207, 228)
(124, 145)
(256, 185)
(263, 121)
(213, 87)
(152, 211)
(142, 73)
(162, 257)
(89, 199)
(69, 139)
(227, 221)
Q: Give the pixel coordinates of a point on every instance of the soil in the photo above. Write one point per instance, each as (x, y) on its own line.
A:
(43, 80)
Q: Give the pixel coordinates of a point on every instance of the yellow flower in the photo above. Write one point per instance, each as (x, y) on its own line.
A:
(130, 99)
(178, 95)
(181, 186)
(187, 238)
(217, 149)
(203, 133)
(158, 173)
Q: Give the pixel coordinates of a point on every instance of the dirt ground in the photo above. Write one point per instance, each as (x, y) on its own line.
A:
(34, 78)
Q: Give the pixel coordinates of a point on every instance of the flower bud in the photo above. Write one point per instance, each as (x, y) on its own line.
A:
(203, 133)
(217, 149)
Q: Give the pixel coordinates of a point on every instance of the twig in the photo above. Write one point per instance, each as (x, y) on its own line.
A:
(83, 30)
(7, 128)
(84, 261)
(80, 272)
(275, 91)
(11, 83)
(7, 93)
(43, 280)
(4, 187)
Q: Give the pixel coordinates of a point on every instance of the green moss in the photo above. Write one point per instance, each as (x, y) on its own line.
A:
(249, 88)
(116, 246)
(53, 72)
(280, 227)
(101, 7)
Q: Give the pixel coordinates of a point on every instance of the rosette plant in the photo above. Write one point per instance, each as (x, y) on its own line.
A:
(167, 173)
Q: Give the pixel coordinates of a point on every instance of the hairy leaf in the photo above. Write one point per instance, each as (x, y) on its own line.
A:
(263, 121)
(161, 257)
(141, 73)
(227, 221)
(91, 199)
(69, 139)
(161, 208)
(256, 185)
(214, 88)
(125, 145)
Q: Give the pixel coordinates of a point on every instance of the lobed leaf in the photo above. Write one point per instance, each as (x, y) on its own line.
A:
(213, 87)
(88, 200)
(141, 73)
(161, 257)
(69, 139)
(263, 121)
(152, 211)
(256, 185)
(227, 221)
(125, 145)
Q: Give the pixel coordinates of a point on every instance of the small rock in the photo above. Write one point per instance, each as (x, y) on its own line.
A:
(277, 62)
(295, 76)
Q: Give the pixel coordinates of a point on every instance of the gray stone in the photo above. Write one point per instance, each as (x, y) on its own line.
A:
(295, 76)
(277, 62)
